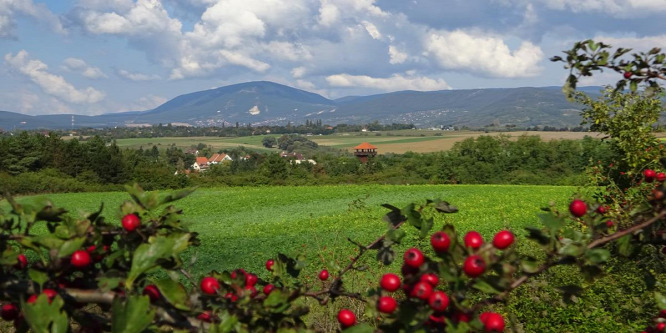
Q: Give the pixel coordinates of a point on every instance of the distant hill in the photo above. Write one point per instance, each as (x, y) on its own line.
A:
(270, 103)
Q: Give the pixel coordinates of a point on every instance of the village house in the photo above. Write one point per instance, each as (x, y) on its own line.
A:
(200, 164)
(219, 158)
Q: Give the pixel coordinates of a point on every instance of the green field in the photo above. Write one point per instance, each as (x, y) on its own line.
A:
(242, 227)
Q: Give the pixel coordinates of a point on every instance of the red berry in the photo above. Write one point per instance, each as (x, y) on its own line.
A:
(152, 292)
(250, 280)
(414, 258)
(662, 313)
(50, 293)
(473, 239)
(9, 311)
(231, 296)
(438, 301)
(205, 316)
(131, 222)
(91, 248)
(503, 239)
(252, 290)
(649, 175)
(578, 208)
(80, 259)
(268, 288)
(422, 290)
(269, 264)
(660, 327)
(474, 266)
(609, 223)
(31, 299)
(627, 75)
(22, 261)
(346, 318)
(661, 177)
(440, 241)
(602, 210)
(323, 275)
(492, 322)
(386, 304)
(460, 316)
(430, 278)
(210, 285)
(390, 282)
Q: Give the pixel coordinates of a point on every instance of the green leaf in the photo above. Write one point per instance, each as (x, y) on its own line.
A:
(624, 245)
(396, 235)
(68, 247)
(393, 217)
(146, 256)
(131, 316)
(661, 300)
(445, 207)
(50, 214)
(360, 328)
(288, 263)
(551, 222)
(537, 235)
(44, 317)
(597, 256)
(386, 255)
(530, 265)
(227, 323)
(176, 195)
(38, 276)
(486, 287)
(413, 216)
(426, 226)
(572, 249)
(174, 293)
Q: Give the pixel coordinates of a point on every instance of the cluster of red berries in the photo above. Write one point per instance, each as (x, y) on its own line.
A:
(424, 286)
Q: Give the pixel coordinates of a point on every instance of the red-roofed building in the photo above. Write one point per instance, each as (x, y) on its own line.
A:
(219, 158)
(365, 151)
(200, 164)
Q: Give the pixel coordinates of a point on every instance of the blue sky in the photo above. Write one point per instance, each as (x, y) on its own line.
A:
(105, 56)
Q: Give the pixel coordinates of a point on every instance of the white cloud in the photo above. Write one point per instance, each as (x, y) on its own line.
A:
(617, 8)
(372, 30)
(243, 60)
(10, 8)
(483, 54)
(148, 102)
(638, 44)
(81, 67)
(396, 56)
(393, 83)
(328, 14)
(298, 72)
(288, 51)
(133, 76)
(52, 84)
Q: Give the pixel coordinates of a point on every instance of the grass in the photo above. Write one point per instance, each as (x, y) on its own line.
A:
(242, 227)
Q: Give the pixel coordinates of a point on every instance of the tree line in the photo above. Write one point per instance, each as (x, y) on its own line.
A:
(33, 163)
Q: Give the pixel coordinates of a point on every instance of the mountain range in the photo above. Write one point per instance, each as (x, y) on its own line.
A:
(268, 103)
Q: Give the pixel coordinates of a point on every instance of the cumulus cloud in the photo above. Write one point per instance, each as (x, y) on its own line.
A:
(51, 84)
(328, 14)
(637, 43)
(81, 67)
(133, 76)
(148, 102)
(483, 54)
(619, 8)
(396, 56)
(10, 8)
(393, 83)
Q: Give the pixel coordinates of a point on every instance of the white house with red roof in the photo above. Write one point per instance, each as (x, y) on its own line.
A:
(200, 164)
(219, 158)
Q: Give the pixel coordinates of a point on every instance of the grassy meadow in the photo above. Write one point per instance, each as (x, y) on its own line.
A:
(242, 227)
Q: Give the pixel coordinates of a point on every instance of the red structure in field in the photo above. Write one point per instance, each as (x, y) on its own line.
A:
(364, 151)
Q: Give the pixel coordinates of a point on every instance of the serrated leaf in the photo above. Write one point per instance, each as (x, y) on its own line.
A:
(360, 328)
(46, 317)
(174, 292)
(68, 247)
(661, 300)
(413, 216)
(426, 226)
(38, 276)
(396, 235)
(131, 316)
(597, 256)
(551, 222)
(537, 235)
(146, 256)
(386, 255)
(486, 287)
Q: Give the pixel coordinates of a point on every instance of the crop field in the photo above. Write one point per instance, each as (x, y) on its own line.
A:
(420, 141)
(242, 227)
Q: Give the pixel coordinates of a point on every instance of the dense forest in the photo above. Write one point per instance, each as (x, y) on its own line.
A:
(36, 163)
